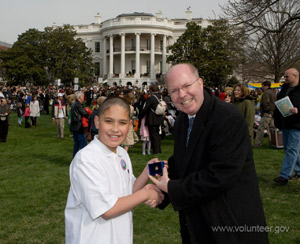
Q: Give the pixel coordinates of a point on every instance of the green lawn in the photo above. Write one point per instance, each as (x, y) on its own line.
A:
(34, 183)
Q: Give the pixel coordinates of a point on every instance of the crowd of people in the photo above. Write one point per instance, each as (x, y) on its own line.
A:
(257, 107)
(209, 172)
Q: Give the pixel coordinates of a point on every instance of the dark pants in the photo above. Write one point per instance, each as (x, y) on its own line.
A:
(79, 142)
(185, 237)
(3, 130)
(46, 108)
(33, 120)
(155, 138)
(27, 123)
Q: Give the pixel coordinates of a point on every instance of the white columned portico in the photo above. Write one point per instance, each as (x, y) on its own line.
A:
(111, 56)
(152, 57)
(122, 73)
(104, 57)
(164, 55)
(137, 56)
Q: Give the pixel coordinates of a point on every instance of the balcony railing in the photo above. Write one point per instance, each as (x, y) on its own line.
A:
(118, 49)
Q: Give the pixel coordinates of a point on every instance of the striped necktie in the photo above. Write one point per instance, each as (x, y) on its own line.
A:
(191, 122)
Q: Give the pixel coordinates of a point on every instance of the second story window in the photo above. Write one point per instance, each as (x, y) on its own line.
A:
(148, 44)
(97, 47)
(133, 46)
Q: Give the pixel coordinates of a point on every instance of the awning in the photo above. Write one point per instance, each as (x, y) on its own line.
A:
(258, 85)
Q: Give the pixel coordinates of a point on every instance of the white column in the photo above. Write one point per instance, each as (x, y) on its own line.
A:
(137, 56)
(111, 56)
(122, 73)
(152, 57)
(164, 56)
(104, 57)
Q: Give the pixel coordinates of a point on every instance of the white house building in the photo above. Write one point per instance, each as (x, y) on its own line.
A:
(133, 48)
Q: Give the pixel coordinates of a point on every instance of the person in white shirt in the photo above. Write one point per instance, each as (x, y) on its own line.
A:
(59, 114)
(103, 188)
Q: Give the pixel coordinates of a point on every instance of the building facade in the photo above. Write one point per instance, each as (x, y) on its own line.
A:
(133, 48)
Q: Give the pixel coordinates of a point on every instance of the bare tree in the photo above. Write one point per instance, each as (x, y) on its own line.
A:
(272, 32)
(249, 13)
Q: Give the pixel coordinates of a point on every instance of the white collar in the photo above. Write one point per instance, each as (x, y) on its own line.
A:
(105, 149)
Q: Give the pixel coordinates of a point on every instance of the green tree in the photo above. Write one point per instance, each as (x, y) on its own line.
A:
(41, 57)
(24, 61)
(213, 50)
(66, 56)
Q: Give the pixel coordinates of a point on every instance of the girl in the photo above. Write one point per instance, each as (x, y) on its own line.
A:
(26, 116)
(103, 188)
(145, 138)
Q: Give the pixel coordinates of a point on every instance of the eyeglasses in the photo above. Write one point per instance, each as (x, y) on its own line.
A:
(185, 88)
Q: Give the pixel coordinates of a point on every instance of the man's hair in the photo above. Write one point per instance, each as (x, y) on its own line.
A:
(154, 87)
(192, 68)
(266, 83)
(107, 103)
(78, 94)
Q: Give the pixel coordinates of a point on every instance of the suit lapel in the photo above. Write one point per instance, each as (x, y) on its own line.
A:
(199, 124)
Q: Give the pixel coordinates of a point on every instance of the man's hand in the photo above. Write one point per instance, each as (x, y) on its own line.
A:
(153, 160)
(161, 181)
(155, 197)
(294, 110)
(53, 119)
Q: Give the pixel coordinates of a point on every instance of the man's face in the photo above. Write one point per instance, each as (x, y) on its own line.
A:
(186, 89)
(264, 87)
(81, 98)
(289, 77)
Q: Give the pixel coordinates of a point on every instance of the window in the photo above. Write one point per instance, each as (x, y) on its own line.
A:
(97, 47)
(133, 46)
(148, 66)
(148, 44)
(133, 66)
(97, 68)
(161, 45)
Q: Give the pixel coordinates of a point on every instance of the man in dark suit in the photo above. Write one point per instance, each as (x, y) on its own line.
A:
(77, 112)
(153, 121)
(210, 179)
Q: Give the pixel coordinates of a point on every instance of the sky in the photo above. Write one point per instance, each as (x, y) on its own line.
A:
(17, 16)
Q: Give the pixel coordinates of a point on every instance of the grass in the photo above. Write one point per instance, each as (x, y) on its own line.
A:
(34, 183)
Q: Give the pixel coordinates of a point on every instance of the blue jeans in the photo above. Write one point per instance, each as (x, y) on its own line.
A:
(291, 143)
(79, 142)
(20, 119)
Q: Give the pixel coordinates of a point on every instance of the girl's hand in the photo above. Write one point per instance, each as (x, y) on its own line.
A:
(155, 196)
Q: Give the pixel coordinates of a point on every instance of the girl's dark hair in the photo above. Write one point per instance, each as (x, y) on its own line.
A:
(107, 103)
